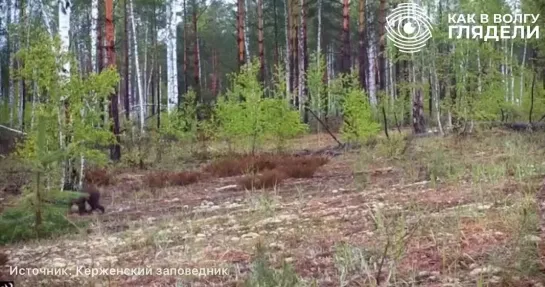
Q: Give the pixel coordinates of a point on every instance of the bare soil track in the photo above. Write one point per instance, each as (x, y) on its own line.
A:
(333, 228)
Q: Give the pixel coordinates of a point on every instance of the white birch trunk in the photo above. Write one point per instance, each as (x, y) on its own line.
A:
(504, 71)
(287, 56)
(65, 7)
(46, 13)
(12, 18)
(3, 38)
(372, 72)
(246, 32)
(522, 72)
(94, 20)
(137, 66)
(392, 80)
(512, 75)
(479, 80)
(329, 77)
(201, 80)
(301, 57)
(172, 67)
(436, 96)
(319, 37)
(145, 72)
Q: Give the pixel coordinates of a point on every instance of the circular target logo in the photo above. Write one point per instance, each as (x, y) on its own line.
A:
(408, 27)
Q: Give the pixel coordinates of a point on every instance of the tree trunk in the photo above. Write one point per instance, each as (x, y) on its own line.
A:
(94, 27)
(100, 52)
(372, 89)
(319, 33)
(288, 50)
(260, 40)
(12, 19)
(159, 102)
(186, 50)
(23, 8)
(240, 33)
(115, 149)
(419, 125)
(276, 40)
(295, 52)
(138, 71)
(301, 90)
(382, 44)
(345, 62)
(214, 82)
(196, 51)
(362, 45)
(172, 67)
(65, 7)
(522, 72)
(126, 79)
(246, 31)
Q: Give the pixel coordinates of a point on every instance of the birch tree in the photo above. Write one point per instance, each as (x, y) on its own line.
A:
(138, 71)
(172, 67)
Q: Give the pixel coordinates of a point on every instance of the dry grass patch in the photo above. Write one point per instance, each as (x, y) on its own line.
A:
(162, 179)
(98, 176)
(267, 179)
(184, 178)
(292, 166)
(241, 164)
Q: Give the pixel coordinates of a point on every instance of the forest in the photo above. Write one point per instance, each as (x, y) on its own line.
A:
(271, 143)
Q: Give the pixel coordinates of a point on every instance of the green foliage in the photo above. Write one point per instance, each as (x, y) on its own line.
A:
(18, 223)
(181, 123)
(316, 87)
(65, 112)
(64, 106)
(264, 276)
(358, 122)
(280, 121)
(246, 118)
(393, 147)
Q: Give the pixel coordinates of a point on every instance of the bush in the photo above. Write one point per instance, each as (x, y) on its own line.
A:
(98, 176)
(162, 179)
(18, 223)
(267, 179)
(246, 118)
(393, 147)
(183, 178)
(303, 167)
(292, 165)
(158, 179)
(358, 122)
(263, 275)
(241, 164)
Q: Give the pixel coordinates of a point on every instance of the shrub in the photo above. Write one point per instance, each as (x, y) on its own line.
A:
(303, 167)
(393, 147)
(267, 179)
(246, 118)
(162, 179)
(264, 275)
(226, 167)
(158, 179)
(183, 178)
(98, 176)
(292, 165)
(19, 224)
(358, 122)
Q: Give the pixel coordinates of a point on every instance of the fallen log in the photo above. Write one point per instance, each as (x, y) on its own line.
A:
(515, 126)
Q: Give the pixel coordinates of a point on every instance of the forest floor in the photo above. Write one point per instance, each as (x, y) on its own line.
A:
(438, 212)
